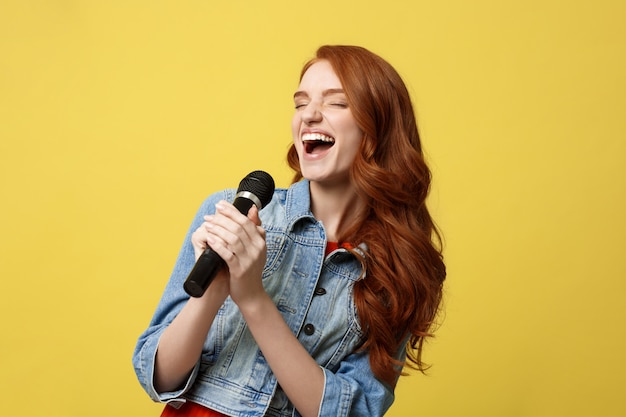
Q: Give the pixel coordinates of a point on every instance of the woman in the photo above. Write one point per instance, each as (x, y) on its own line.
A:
(328, 285)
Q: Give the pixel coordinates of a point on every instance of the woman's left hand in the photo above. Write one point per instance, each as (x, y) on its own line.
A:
(240, 241)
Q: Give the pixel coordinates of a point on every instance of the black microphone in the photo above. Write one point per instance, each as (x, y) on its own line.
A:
(256, 188)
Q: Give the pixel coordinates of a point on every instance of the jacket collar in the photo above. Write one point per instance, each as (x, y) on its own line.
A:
(298, 203)
(298, 207)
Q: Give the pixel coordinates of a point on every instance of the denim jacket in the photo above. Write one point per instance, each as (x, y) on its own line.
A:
(312, 291)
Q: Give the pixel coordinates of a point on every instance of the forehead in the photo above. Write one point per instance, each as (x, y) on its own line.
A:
(320, 75)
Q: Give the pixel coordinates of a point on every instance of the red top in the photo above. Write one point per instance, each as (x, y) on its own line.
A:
(190, 409)
(331, 246)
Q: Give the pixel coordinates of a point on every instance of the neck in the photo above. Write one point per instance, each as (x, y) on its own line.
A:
(335, 206)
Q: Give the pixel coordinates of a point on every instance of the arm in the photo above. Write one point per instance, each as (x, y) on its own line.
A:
(179, 324)
(181, 343)
(241, 243)
(351, 389)
(298, 374)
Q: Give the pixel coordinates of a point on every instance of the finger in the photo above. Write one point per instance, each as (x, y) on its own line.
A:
(200, 240)
(225, 250)
(225, 234)
(238, 244)
(253, 214)
(227, 209)
(247, 224)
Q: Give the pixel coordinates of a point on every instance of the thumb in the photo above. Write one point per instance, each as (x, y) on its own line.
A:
(253, 214)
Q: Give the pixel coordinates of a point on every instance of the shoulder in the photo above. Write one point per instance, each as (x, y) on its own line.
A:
(209, 202)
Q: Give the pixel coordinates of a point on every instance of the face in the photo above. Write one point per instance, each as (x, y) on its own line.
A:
(325, 133)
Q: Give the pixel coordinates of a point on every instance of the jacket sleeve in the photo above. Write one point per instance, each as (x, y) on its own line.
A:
(353, 390)
(172, 301)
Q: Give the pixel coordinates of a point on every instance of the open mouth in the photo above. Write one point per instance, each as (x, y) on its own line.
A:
(316, 143)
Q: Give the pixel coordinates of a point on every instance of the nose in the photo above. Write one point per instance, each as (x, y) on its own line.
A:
(312, 113)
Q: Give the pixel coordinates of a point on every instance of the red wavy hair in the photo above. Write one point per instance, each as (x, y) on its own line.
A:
(400, 298)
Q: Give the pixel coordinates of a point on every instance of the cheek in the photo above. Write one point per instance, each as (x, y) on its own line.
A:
(355, 147)
(355, 140)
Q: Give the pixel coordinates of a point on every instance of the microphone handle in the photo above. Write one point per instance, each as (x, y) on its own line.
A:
(209, 263)
(203, 273)
(244, 204)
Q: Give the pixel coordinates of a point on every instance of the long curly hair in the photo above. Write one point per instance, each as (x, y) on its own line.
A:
(400, 297)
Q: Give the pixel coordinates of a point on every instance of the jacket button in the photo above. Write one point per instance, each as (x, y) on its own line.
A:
(309, 329)
(320, 291)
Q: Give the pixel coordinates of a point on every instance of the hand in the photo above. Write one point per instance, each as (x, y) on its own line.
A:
(240, 242)
(200, 239)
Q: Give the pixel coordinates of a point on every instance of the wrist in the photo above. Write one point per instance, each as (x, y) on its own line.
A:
(255, 307)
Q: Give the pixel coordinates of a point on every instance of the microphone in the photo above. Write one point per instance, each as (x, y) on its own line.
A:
(256, 188)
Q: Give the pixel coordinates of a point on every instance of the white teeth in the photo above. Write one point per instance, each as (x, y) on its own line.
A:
(317, 137)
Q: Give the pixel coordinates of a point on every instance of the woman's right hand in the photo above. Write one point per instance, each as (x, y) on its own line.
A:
(200, 237)
(240, 241)
(200, 241)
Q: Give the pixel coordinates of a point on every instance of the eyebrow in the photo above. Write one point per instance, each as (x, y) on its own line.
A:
(325, 93)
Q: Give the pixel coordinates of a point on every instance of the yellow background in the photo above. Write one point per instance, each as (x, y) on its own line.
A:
(118, 117)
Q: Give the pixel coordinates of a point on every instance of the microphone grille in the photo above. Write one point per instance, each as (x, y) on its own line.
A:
(259, 183)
